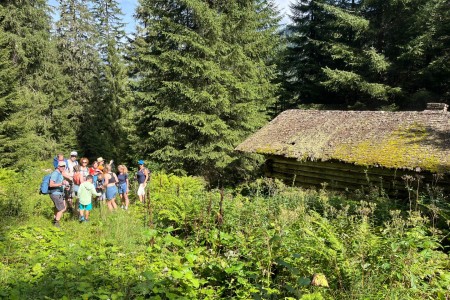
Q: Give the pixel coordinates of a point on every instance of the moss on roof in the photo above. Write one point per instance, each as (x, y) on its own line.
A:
(401, 140)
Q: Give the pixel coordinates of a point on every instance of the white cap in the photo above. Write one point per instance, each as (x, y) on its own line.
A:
(61, 163)
(73, 153)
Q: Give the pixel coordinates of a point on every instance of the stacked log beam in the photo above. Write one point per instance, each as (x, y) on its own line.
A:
(344, 176)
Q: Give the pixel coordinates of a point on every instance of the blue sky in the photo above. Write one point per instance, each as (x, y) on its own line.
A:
(128, 7)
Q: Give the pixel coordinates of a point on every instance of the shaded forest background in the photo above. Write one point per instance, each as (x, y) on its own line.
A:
(197, 77)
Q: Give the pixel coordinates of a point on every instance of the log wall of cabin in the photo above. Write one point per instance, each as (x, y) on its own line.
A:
(340, 175)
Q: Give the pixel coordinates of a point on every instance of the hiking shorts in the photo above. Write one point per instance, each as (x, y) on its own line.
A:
(111, 192)
(141, 190)
(85, 207)
(123, 188)
(58, 200)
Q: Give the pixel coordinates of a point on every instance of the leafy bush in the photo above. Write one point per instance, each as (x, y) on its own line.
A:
(218, 244)
(19, 192)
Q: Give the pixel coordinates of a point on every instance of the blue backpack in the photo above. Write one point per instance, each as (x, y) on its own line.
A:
(45, 189)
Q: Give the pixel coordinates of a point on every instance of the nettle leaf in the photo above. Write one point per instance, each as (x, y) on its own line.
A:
(195, 282)
(303, 281)
(190, 257)
(176, 274)
(171, 240)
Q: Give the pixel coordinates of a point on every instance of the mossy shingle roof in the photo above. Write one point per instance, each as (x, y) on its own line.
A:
(401, 140)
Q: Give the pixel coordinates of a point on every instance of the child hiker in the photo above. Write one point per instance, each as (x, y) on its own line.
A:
(85, 193)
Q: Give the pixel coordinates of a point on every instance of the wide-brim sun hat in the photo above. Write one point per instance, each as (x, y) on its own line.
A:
(100, 159)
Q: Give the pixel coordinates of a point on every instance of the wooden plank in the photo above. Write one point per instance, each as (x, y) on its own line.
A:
(344, 166)
(338, 175)
(307, 181)
(352, 169)
(345, 174)
(337, 172)
(321, 177)
(336, 185)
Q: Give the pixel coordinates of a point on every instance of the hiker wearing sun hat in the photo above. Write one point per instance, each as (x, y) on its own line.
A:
(101, 163)
(142, 178)
(69, 192)
(72, 162)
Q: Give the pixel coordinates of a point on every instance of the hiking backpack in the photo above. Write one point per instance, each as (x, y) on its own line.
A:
(45, 189)
(77, 178)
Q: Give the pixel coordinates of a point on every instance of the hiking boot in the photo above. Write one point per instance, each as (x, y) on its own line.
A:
(56, 224)
(81, 219)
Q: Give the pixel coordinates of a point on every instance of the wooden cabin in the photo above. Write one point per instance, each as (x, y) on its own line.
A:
(355, 149)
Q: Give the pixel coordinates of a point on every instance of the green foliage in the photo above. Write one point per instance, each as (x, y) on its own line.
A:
(365, 54)
(104, 119)
(76, 37)
(304, 57)
(19, 192)
(202, 82)
(346, 19)
(29, 83)
(10, 201)
(338, 81)
(219, 244)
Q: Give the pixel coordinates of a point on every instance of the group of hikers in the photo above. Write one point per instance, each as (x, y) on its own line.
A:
(74, 180)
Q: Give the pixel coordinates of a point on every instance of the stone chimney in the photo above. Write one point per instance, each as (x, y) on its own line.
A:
(437, 107)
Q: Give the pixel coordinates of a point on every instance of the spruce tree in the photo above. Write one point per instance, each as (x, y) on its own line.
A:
(30, 82)
(106, 127)
(202, 80)
(304, 57)
(420, 50)
(76, 36)
(358, 76)
(437, 70)
(9, 73)
(332, 59)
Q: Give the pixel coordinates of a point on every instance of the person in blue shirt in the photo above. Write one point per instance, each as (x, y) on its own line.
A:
(123, 185)
(58, 158)
(142, 178)
(57, 185)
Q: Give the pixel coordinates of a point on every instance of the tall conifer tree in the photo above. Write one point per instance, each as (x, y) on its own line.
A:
(437, 71)
(77, 36)
(203, 80)
(304, 57)
(331, 58)
(420, 51)
(105, 127)
(30, 83)
(358, 75)
(373, 54)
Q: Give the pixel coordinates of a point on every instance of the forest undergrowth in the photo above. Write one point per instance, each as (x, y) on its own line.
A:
(261, 240)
